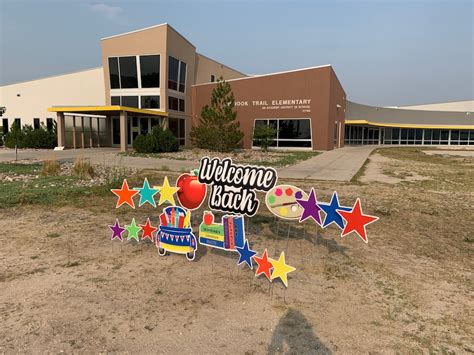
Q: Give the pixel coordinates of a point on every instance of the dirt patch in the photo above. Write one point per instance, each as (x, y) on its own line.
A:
(67, 287)
(447, 153)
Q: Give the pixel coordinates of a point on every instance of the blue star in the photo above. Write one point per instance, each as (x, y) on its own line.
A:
(246, 254)
(331, 211)
(146, 194)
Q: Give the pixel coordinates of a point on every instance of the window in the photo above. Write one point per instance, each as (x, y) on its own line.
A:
(175, 104)
(130, 101)
(176, 74)
(36, 123)
(213, 78)
(49, 124)
(150, 71)
(17, 122)
(128, 72)
(182, 76)
(291, 133)
(150, 101)
(178, 127)
(114, 73)
(115, 100)
(5, 125)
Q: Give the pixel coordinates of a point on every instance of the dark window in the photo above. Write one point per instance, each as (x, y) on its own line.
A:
(130, 101)
(150, 71)
(181, 105)
(36, 123)
(173, 71)
(5, 125)
(115, 100)
(213, 78)
(436, 134)
(182, 76)
(444, 135)
(150, 101)
(116, 131)
(17, 122)
(49, 124)
(114, 73)
(427, 135)
(128, 72)
(293, 143)
(175, 103)
(177, 127)
(294, 129)
(396, 134)
(454, 137)
(155, 121)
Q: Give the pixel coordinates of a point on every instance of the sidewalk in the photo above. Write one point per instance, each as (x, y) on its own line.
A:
(338, 164)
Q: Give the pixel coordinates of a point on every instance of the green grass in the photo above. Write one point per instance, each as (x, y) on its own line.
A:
(290, 158)
(43, 190)
(20, 169)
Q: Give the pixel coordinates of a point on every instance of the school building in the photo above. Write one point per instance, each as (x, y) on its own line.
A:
(155, 76)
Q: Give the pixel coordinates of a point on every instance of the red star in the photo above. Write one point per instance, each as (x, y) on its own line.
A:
(148, 230)
(356, 221)
(264, 265)
(125, 195)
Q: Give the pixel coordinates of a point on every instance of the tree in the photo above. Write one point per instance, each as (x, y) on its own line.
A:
(264, 136)
(218, 127)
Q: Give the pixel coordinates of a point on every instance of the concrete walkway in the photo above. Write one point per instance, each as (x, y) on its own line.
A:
(338, 165)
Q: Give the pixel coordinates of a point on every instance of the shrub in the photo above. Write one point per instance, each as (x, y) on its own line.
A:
(158, 141)
(263, 136)
(31, 138)
(218, 127)
(50, 168)
(144, 143)
(167, 142)
(83, 168)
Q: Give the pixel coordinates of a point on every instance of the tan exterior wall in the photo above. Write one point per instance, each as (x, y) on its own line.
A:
(205, 67)
(461, 106)
(79, 88)
(319, 85)
(149, 41)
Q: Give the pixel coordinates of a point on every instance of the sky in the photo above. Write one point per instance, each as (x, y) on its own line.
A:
(384, 52)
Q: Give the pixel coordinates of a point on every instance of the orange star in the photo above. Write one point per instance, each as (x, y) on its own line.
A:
(356, 221)
(264, 265)
(125, 195)
(148, 230)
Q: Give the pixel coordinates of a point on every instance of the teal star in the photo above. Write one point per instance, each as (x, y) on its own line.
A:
(146, 194)
(132, 230)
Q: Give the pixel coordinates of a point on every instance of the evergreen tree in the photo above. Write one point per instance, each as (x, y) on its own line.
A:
(218, 127)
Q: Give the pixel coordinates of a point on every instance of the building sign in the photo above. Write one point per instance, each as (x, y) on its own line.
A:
(277, 104)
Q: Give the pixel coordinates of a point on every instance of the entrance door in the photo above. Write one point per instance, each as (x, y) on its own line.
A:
(115, 131)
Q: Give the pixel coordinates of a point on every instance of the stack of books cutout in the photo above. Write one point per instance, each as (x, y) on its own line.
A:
(226, 235)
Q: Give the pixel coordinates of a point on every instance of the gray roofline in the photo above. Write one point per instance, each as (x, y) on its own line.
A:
(434, 103)
(51, 76)
(215, 61)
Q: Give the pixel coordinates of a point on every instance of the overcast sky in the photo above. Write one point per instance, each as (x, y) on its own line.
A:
(384, 52)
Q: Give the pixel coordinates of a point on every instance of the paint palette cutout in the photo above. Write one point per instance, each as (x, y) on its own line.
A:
(281, 201)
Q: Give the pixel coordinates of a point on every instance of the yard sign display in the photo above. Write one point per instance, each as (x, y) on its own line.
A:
(232, 190)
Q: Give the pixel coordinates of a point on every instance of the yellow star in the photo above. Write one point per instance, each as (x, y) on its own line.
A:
(166, 192)
(281, 269)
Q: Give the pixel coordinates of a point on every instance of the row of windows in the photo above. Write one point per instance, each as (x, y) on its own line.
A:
(176, 104)
(17, 123)
(132, 101)
(376, 135)
(123, 72)
(176, 74)
(289, 132)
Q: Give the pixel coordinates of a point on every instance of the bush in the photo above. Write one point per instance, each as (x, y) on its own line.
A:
(167, 142)
(83, 169)
(263, 136)
(144, 143)
(28, 137)
(50, 168)
(158, 141)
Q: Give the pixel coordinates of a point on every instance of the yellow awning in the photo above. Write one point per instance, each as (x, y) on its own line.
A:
(106, 110)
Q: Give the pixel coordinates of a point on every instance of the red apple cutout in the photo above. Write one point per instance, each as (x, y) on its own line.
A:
(191, 193)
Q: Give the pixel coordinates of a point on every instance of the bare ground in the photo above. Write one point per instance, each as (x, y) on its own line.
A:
(67, 287)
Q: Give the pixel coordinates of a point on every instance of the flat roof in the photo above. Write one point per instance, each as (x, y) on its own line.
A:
(106, 110)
